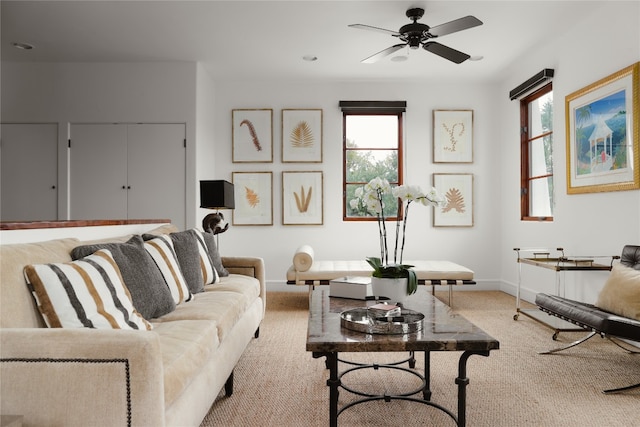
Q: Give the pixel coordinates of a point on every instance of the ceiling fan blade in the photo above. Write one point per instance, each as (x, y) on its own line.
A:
(388, 51)
(446, 52)
(454, 26)
(369, 27)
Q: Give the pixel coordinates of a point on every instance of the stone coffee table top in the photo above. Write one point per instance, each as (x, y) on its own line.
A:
(442, 330)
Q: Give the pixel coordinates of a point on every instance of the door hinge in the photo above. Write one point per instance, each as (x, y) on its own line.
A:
(523, 191)
(523, 130)
(185, 143)
(69, 143)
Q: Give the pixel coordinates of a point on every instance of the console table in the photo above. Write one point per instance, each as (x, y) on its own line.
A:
(560, 264)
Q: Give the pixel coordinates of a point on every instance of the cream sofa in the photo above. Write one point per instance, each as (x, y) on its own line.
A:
(169, 376)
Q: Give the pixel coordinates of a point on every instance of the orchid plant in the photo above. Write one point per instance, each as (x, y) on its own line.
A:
(369, 200)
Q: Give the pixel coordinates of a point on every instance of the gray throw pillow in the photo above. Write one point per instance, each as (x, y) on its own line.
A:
(185, 244)
(149, 292)
(210, 241)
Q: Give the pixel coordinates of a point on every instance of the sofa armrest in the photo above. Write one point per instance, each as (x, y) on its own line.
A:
(81, 377)
(248, 266)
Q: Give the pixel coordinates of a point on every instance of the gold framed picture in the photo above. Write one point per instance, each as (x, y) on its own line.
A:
(602, 134)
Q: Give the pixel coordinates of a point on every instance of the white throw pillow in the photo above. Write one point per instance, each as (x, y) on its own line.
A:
(621, 293)
(87, 293)
(163, 253)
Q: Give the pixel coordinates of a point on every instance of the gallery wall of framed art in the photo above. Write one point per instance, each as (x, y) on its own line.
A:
(301, 191)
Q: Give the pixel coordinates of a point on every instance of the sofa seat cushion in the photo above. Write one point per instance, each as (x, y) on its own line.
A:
(225, 308)
(589, 316)
(245, 285)
(186, 346)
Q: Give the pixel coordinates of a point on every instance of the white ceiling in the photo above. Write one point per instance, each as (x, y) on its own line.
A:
(267, 39)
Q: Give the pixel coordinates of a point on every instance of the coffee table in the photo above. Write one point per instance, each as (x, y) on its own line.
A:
(442, 330)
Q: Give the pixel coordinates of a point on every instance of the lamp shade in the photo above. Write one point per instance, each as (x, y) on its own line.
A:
(216, 195)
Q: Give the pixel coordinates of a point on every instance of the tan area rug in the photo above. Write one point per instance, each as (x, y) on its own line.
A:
(278, 383)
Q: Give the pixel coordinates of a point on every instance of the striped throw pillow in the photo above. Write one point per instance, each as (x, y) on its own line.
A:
(163, 253)
(209, 272)
(87, 293)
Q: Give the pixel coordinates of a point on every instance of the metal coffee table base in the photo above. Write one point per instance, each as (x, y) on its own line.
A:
(334, 382)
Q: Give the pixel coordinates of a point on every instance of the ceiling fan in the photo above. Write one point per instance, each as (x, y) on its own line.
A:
(416, 34)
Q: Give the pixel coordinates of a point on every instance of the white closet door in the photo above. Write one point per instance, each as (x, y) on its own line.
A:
(29, 176)
(98, 175)
(157, 172)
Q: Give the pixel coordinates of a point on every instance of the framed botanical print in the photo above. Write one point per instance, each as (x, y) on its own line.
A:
(252, 135)
(302, 136)
(457, 210)
(452, 136)
(302, 198)
(253, 193)
(602, 122)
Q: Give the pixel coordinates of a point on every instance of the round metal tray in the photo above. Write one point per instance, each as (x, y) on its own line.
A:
(358, 319)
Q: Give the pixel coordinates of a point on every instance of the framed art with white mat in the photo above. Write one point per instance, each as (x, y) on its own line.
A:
(252, 135)
(457, 210)
(302, 136)
(253, 198)
(302, 198)
(452, 136)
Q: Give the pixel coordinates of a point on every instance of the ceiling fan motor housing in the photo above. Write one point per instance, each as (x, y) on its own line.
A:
(414, 34)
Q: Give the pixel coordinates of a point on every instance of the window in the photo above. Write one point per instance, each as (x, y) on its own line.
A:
(372, 147)
(536, 190)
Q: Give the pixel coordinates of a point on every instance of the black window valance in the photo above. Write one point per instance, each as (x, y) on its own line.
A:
(359, 106)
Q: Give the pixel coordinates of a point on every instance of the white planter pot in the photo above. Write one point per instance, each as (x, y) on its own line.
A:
(395, 290)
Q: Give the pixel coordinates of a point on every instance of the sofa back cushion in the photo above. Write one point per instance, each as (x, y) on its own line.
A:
(17, 307)
(150, 294)
(87, 293)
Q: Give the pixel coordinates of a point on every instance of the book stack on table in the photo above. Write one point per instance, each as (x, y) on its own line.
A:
(353, 287)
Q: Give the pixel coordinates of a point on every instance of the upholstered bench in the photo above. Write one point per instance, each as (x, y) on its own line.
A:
(306, 270)
(616, 314)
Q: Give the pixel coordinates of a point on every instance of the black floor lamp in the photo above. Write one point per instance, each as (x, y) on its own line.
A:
(216, 195)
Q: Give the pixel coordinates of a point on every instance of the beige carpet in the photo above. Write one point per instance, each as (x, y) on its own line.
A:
(278, 383)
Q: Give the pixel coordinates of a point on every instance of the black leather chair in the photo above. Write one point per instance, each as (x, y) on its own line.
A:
(594, 319)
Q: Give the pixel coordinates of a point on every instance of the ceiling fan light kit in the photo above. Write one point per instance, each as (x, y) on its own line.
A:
(417, 34)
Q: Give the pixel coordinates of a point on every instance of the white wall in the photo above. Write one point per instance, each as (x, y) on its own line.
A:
(474, 247)
(184, 92)
(205, 136)
(102, 93)
(584, 224)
